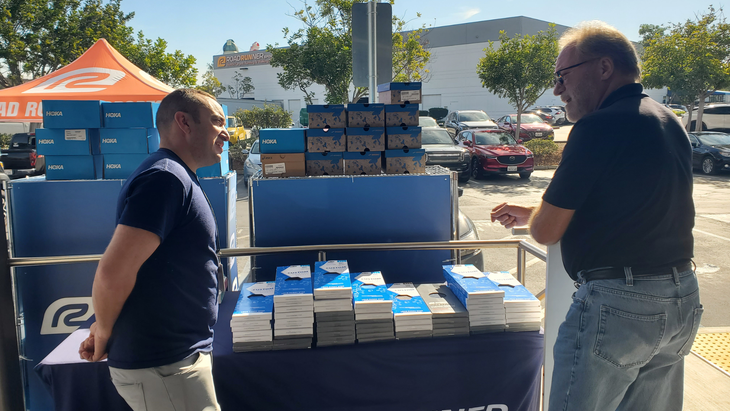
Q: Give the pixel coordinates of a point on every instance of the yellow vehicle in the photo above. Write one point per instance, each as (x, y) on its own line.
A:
(235, 130)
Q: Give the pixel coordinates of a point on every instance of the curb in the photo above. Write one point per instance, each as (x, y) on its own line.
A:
(545, 167)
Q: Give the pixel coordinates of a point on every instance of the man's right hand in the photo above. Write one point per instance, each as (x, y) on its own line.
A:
(510, 215)
(93, 348)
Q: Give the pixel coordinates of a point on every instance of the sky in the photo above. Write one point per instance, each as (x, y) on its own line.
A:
(201, 28)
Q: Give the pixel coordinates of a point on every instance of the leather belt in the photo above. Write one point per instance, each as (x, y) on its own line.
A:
(612, 273)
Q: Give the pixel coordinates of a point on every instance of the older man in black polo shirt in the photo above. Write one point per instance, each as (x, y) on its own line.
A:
(621, 204)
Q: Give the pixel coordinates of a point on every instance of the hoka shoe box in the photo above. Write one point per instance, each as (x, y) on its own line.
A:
(365, 139)
(401, 115)
(215, 170)
(320, 140)
(88, 167)
(121, 166)
(67, 142)
(284, 165)
(332, 280)
(398, 138)
(282, 140)
(368, 162)
(366, 115)
(294, 287)
(328, 115)
(72, 114)
(324, 164)
(129, 115)
(408, 161)
(399, 93)
(129, 140)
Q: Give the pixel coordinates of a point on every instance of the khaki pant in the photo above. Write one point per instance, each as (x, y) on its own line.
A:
(186, 385)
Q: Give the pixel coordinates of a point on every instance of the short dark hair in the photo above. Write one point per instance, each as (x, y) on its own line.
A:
(187, 100)
(594, 39)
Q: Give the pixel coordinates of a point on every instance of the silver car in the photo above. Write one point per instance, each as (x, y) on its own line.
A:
(253, 162)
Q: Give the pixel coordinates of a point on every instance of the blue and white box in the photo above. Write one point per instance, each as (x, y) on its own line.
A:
(411, 314)
(366, 115)
(523, 311)
(365, 139)
(130, 114)
(320, 140)
(88, 167)
(407, 161)
(218, 169)
(252, 317)
(401, 115)
(481, 296)
(365, 163)
(371, 297)
(121, 166)
(282, 140)
(324, 164)
(293, 303)
(398, 138)
(327, 115)
(129, 140)
(400, 93)
(332, 286)
(72, 114)
(72, 142)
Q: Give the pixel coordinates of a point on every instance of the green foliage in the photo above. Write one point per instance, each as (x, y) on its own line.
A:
(438, 112)
(236, 155)
(38, 37)
(241, 86)
(409, 54)
(545, 152)
(270, 116)
(5, 140)
(211, 85)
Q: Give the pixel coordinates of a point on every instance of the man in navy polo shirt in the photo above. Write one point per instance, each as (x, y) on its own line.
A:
(621, 205)
(155, 290)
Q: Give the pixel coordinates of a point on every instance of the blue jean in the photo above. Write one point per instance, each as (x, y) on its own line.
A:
(623, 342)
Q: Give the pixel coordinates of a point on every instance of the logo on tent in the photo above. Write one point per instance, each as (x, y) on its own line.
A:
(86, 80)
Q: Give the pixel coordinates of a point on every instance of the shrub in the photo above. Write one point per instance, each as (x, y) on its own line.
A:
(545, 152)
(270, 116)
(5, 140)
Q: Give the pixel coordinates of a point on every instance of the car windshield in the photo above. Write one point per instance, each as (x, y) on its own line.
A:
(715, 139)
(255, 148)
(494, 139)
(473, 116)
(427, 122)
(436, 136)
(527, 118)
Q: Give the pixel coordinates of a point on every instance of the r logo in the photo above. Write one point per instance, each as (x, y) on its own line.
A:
(79, 81)
(64, 316)
(221, 61)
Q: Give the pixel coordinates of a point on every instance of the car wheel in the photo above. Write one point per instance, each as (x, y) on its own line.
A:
(464, 177)
(525, 175)
(708, 165)
(475, 169)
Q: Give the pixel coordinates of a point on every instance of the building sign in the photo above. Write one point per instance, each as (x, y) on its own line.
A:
(250, 58)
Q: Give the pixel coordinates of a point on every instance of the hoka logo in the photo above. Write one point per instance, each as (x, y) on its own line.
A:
(46, 141)
(269, 141)
(109, 140)
(116, 166)
(54, 113)
(55, 167)
(115, 115)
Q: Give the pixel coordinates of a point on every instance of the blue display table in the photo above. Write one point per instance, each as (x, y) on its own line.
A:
(500, 369)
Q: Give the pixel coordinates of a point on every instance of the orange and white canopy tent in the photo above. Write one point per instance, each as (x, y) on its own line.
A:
(101, 73)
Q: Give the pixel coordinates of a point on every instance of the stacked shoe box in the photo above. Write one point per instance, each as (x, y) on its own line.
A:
(403, 154)
(282, 152)
(70, 139)
(128, 137)
(326, 139)
(333, 312)
(450, 318)
(480, 295)
(523, 311)
(411, 314)
(293, 308)
(365, 138)
(251, 320)
(373, 307)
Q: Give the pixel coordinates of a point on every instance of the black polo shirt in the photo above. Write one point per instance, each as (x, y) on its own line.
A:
(627, 172)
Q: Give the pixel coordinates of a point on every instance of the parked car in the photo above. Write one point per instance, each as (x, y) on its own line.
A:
(22, 155)
(443, 151)
(468, 232)
(425, 121)
(710, 151)
(714, 117)
(460, 120)
(252, 165)
(496, 152)
(555, 111)
(531, 127)
(547, 116)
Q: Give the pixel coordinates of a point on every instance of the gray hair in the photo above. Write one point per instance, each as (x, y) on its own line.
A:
(595, 39)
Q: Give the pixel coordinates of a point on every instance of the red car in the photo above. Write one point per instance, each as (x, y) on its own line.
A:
(496, 152)
(531, 127)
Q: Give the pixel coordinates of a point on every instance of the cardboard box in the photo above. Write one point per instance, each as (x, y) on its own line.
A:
(328, 139)
(368, 162)
(121, 166)
(366, 115)
(129, 115)
(88, 167)
(403, 137)
(216, 170)
(282, 140)
(283, 165)
(408, 161)
(400, 93)
(62, 142)
(328, 115)
(365, 139)
(129, 140)
(72, 114)
(399, 115)
(324, 164)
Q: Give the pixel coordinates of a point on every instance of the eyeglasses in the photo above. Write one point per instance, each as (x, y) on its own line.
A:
(559, 75)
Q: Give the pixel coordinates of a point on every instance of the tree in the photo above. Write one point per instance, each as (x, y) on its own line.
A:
(691, 59)
(521, 69)
(38, 37)
(211, 85)
(256, 118)
(242, 86)
(321, 52)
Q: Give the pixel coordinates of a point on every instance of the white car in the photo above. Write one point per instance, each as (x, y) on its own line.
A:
(714, 117)
(252, 165)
